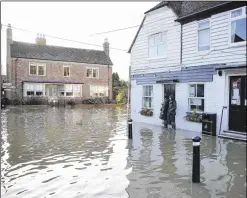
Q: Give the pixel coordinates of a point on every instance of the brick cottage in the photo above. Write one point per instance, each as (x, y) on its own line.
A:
(40, 70)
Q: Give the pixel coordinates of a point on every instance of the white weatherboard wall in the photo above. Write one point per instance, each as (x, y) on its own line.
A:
(136, 103)
(157, 21)
(221, 50)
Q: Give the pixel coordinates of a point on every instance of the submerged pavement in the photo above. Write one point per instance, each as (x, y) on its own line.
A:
(85, 152)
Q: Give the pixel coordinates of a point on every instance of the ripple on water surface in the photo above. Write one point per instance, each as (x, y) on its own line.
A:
(84, 152)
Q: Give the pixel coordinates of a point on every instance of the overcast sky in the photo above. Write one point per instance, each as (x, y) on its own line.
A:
(76, 21)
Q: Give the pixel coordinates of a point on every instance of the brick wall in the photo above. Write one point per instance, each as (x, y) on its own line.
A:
(54, 72)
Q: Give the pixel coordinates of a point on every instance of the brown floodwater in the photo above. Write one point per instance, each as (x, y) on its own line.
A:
(85, 152)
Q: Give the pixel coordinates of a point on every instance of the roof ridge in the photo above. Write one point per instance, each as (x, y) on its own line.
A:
(34, 44)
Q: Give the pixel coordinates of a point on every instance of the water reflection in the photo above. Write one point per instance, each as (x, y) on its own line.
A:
(167, 171)
(84, 152)
(47, 153)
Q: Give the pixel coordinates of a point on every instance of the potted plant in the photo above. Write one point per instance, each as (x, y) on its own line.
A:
(146, 111)
(193, 116)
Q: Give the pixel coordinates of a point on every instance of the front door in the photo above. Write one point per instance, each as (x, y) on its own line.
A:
(237, 104)
(169, 89)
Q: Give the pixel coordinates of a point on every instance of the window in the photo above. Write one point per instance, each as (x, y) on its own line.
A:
(66, 71)
(157, 45)
(37, 69)
(93, 73)
(196, 97)
(34, 89)
(41, 69)
(147, 97)
(98, 91)
(68, 90)
(238, 25)
(32, 69)
(204, 35)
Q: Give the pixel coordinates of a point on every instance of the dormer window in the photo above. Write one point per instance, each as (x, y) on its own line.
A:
(238, 25)
(203, 35)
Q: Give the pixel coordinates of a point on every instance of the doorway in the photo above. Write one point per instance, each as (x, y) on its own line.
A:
(237, 104)
(169, 89)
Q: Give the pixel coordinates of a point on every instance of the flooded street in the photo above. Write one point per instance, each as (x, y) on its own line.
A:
(85, 152)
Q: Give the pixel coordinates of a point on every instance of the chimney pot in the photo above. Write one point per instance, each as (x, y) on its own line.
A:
(106, 47)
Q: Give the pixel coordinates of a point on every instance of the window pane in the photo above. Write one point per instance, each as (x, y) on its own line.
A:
(152, 51)
(41, 70)
(200, 90)
(161, 50)
(157, 39)
(39, 93)
(236, 13)
(69, 94)
(204, 24)
(192, 91)
(147, 102)
(203, 39)
(68, 88)
(32, 69)
(95, 73)
(66, 71)
(238, 30)
(89, 72)
(163, 38)
(30, 93)
(151, 41)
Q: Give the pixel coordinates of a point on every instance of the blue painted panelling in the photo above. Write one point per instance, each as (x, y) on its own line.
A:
(189, 74)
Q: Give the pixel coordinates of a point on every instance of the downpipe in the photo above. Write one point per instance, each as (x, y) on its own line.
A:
(222, 112)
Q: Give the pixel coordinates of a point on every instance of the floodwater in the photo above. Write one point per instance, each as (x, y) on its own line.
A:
(85, 152)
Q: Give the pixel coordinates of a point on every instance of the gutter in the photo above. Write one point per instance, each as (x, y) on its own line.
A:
(205, 10)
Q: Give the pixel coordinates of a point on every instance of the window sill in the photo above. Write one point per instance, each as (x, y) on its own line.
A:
(157, 58)
(232, 45)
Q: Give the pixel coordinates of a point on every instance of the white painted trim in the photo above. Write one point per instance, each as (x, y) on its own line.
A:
(230, 19)
(196, 143)
(69, 70)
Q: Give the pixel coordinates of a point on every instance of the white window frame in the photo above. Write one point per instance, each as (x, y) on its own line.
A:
(106, 90)
(204, 28)
(92, 68)
(37, 68)
(143, 106)
(165, 43)
(35, 90)
(69, 70)
(244, 15)
(191, 97)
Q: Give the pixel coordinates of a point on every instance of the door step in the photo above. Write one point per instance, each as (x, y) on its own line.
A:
(234, 136)
(235, 132)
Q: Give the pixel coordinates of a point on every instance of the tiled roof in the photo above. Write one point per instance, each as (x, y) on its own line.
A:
(57, 53)
(185, 8)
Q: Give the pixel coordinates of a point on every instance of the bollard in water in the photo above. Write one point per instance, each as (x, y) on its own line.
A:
(130, 128)
(196, 160)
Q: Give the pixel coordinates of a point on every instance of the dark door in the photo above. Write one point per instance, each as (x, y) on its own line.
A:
(237, 104)
(169, 89)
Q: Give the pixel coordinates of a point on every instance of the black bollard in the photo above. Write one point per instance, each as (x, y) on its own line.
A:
(130, 128)
(196, 160)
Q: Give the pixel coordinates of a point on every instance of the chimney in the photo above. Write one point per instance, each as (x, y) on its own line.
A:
(40, 39)
(106, 47)
(9, 34)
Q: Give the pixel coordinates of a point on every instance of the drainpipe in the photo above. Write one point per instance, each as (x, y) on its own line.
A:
(15, 75)
(181, 44)
(108, 84)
